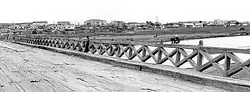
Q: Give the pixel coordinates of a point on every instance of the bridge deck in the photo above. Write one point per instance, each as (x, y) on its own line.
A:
(27, 69)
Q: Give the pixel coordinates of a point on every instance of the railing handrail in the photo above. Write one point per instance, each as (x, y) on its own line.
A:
(157, 44)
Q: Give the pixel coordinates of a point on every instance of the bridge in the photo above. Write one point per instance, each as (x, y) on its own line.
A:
(125, 66)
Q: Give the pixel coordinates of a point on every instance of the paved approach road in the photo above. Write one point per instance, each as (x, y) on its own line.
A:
(26, 69)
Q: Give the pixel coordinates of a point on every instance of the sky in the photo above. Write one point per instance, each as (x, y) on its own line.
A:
(124, 10)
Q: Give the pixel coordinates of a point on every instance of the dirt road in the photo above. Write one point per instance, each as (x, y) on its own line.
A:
(26, 69)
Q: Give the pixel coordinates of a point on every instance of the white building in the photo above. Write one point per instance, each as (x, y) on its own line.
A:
(244, 24)
(218, 22)
(188, 24)
(95, 22)
(198, 24)
(192, 24)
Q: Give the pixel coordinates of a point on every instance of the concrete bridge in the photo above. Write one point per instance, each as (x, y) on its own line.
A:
(26, 68)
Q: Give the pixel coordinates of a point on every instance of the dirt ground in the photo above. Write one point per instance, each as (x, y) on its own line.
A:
(26, 69)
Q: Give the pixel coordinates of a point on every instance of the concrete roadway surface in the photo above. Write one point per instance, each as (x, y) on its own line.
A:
(26, 69)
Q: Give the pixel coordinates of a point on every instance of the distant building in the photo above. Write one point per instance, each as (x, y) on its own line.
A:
(245, 23)
(40, 23)
(188, 24)
(191, 24)
(95, 22)
(172, 25)
(71, 26)
(135, 24)
(25, 25)
(20, 25)
(198, 24)
(63, 23)
(233, 23)
(14, 26)
(51, 26)
(218, 22)
(4, 31)
(117, 23)
(5, 25)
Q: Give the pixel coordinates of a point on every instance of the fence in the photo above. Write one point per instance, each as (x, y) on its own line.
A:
(199, 57)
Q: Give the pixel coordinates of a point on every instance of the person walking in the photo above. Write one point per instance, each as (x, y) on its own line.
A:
(87, 45)
(200, 43)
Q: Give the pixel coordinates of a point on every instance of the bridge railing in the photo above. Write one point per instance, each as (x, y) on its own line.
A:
(200, 58)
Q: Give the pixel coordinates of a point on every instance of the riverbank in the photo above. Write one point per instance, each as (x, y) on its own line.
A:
(158, 35)
(158, 38)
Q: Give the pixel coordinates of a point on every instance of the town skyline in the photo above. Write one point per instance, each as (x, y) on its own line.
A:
(109, 21)
(123, 10)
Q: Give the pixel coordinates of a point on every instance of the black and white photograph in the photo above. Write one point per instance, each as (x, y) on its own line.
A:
(124, 46)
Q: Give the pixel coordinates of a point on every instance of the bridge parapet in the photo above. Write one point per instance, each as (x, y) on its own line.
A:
(200, 58)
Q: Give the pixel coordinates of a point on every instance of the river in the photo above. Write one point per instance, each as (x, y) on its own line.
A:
(225, 42)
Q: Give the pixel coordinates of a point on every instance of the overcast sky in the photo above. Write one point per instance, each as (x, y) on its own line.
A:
(125, 10)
